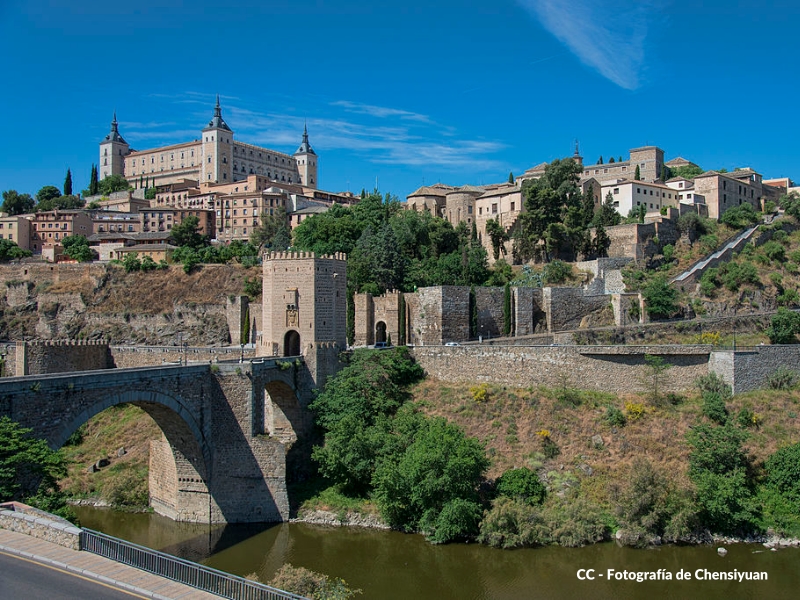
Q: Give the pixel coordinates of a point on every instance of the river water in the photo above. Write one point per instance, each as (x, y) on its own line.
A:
(391, 565)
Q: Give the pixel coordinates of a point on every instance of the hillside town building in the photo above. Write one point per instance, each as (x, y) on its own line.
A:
(638, 181)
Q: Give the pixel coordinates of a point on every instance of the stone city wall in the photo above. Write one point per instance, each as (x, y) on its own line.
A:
(126, 357)
(609, 369)
(529, 316)
(489, 304)
(568, 308)
(750, 369)
(21, 518)
(61, 356)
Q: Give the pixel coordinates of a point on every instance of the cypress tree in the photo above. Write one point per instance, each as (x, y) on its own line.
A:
(68, 184)
(600, 160)
(507, 309)
(401, 319)
(246, 327)
(637, 174)
(473, 313)
(511, 177)
(611, 160)
(474, 234)
(94, 187)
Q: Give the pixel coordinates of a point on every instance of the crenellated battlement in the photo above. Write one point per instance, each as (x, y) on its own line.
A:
(304, 256)
(60, 343)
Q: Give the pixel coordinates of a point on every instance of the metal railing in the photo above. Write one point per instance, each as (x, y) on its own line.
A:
(180, 570)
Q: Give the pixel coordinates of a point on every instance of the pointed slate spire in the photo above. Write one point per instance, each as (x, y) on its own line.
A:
(113, 135)
(305, 147)
(217, 122)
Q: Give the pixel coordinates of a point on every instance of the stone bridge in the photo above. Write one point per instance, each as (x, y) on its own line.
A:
(227, 428)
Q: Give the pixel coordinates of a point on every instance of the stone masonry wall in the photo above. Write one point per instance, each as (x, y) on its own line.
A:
(529, 317)
(148, 356)
(61, 356)
(609, 369)
(567, 307)
(753, 367)
(489, 302)
(21, 518)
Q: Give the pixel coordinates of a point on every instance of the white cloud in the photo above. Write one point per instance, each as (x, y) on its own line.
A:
(607, 36)
(375, 134)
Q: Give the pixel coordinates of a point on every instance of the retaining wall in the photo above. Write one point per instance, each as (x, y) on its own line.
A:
(21, 518)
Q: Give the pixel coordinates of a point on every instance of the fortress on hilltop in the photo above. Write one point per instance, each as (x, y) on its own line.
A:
(216, 157)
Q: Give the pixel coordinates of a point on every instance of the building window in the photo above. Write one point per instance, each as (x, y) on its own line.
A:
(494, 209)
(616, 190)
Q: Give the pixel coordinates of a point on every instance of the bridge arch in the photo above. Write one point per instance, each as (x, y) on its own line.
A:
(180, 462)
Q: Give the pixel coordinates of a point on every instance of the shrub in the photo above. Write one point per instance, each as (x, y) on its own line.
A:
(634, 410)
(713, 383)
(480, 393)
(747, 418)
(660, 298)
(774, 251)
(788, 298)
(312, 585)
(735, 274)
(714, 407)
(784, 327)
(511, 524)
(740, 217)
(128, 489)
(615, 417)
(776, 279)
(783, 471)
(709, 282)
(557, 271)
(783, 378)
(522, 485)
(709, 242)
(669, 252)
(458, 519)
(574, 522)
(549, 448)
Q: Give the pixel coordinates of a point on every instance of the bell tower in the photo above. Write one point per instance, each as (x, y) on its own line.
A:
(217, 149)
(113, 150)
(307, 162)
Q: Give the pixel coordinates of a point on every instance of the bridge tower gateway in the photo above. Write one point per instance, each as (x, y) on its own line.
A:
(305, 309)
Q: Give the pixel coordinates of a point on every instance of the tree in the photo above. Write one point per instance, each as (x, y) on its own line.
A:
(607, 216)
(600, 160)
(547, 200)
(784, 327)
(740, 217)
(29, 469)
(273, 233)
(47, 193)
(77, 248)
(17, 204)
(511, 177)
(9, 251)
(602, 242)
(637, 174)
(68, 183)
(660, 298)
(522, 485)
(94, 184)
(653, 380)
(113, 183)
(611, 160)
(432, 485)
(498, 235)
(186, 233)
(60, 203)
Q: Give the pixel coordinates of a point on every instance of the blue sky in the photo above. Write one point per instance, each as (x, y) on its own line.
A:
(405, 93)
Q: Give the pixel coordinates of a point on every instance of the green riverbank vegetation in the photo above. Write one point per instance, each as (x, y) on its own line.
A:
(526, 467)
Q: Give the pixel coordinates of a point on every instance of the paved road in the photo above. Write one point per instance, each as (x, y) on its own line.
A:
(23, 579)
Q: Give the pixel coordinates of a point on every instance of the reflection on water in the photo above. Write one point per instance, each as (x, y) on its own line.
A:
(394, 565)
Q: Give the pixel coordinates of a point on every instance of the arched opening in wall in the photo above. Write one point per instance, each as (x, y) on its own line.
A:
(380, 332)
(291, 343)
(144, 455)
(283, 415)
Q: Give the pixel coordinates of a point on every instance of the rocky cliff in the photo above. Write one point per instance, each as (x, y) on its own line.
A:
(103, 302)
